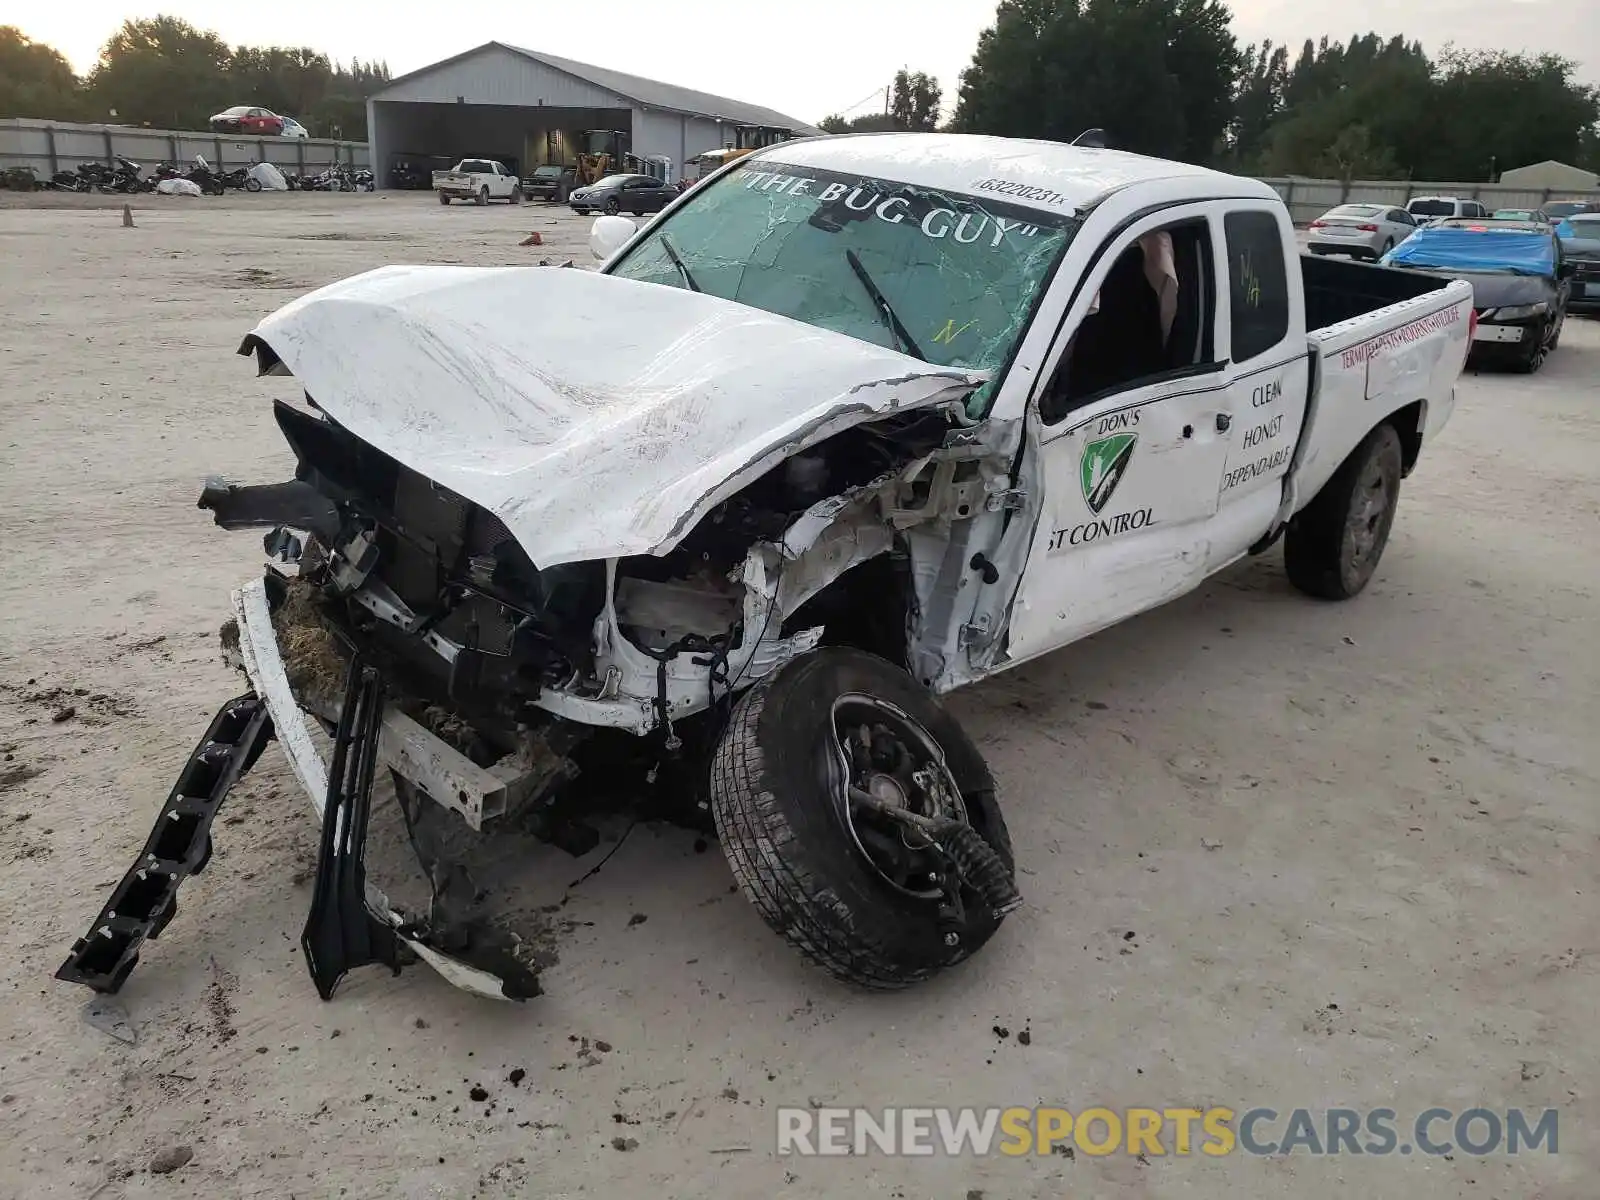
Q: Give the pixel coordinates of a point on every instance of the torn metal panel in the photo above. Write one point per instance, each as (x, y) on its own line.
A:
(608, 429)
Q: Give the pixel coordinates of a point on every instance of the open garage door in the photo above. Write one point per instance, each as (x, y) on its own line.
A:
(411, 140)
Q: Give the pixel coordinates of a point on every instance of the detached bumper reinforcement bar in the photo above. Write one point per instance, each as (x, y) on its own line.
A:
(179, 846)
(341, 932)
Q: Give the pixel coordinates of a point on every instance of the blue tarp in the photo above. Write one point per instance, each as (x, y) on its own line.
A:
(1522, 251)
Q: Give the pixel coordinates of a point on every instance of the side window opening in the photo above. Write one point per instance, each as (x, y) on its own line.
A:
(1154, 315)
(1258, 283)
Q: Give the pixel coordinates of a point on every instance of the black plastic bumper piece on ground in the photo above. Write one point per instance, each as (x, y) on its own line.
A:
(341, 932)
(179, 846)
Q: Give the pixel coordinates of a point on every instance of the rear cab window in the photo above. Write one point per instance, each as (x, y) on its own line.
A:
(1258, 283)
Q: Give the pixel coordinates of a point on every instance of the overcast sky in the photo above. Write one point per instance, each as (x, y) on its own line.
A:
(806, 58)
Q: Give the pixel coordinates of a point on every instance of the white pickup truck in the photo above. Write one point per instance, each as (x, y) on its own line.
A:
(856, 422)
(479, 180)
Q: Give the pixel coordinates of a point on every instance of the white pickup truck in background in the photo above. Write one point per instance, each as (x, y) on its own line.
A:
(479, 180)
(855, 422)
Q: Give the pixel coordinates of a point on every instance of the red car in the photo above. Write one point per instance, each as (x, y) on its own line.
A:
(242, 118)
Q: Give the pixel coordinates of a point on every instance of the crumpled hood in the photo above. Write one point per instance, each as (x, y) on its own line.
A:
(596, 417)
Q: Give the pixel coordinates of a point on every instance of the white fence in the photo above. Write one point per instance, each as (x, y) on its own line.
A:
(1308, 199)
(51, 146)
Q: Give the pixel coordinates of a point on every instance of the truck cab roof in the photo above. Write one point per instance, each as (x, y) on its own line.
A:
(1048, 175)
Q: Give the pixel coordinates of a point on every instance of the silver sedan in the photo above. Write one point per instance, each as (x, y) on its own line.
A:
(1360, 230)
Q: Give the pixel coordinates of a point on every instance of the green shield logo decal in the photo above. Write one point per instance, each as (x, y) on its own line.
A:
(1104, 463)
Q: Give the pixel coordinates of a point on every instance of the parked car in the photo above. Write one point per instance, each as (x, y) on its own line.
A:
(293, 129)
(637, 194)
(862, 421)
(1360, 230)
(479, 180)
(1579, 235)
(1538, 215)
(1425, 210)
(1558, 210)
(545, 182)
(243, 118)
(1520, 282)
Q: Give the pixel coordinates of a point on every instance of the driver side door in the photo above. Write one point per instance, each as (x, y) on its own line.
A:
(1130, 470)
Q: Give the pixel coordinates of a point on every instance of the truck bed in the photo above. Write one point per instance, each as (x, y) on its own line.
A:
(1338, 289)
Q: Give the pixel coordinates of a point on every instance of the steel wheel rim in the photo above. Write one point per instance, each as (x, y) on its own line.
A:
(1364, 527)
(922, 783)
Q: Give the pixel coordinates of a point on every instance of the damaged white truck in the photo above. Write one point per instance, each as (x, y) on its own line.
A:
(859, 421)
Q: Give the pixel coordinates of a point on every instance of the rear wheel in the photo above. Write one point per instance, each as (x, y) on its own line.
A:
(252, 184)
(612, 206)
(483, 195)
(838, 788)
(444, 198)
(1332, 548)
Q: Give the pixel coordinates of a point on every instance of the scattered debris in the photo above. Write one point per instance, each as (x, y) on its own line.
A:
(624, 1143)
(730, 1150)
(1210, 844)
(1025, 1037)
(730, 1093)
(517, 1076)
(65, 714)
(1001, 1032)
(169, 1160)
(478, 1095)
(637, 919)
(1349, 641)
(533, 239)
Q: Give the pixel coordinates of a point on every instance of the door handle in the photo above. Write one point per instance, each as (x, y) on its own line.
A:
(1223, 421)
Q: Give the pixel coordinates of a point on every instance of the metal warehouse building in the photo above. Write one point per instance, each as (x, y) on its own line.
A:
(527, 108)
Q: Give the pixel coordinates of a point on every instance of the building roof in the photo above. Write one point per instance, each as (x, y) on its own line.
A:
(1551, 173)
(1040, 174)
(648, 93)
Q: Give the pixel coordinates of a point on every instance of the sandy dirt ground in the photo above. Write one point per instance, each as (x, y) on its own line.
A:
(1274, 852)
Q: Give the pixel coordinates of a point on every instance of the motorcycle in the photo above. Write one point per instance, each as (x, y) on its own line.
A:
(334, 179)
(365, 181)
(203, 177)
(240, 179)
(125, 178)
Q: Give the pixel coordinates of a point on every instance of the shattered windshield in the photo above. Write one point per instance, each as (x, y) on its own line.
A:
(938, 275)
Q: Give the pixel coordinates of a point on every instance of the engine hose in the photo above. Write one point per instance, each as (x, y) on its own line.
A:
(974, 860)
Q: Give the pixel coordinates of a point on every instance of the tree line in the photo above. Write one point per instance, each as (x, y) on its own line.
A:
(1168, 77)
(1163, 77)
(162, 72)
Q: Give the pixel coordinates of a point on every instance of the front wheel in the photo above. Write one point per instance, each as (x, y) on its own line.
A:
(612, 206)
(516, 195)
(1332, 547)
(444, 198)
(861, 820)
(252, 184)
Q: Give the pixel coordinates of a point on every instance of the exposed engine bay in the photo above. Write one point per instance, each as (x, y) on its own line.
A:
(513, 666)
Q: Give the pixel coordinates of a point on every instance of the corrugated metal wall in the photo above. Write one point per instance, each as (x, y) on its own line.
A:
(49, 146)
(1308, 199)
(675, 135)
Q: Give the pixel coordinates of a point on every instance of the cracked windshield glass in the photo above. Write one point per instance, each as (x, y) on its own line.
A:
(940, 276)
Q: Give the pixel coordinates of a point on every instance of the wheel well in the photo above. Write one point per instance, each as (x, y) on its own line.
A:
(867, 607)
(1408, 423)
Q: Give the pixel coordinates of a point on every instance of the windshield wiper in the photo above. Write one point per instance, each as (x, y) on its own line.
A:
(678, 262)
(902, 336)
